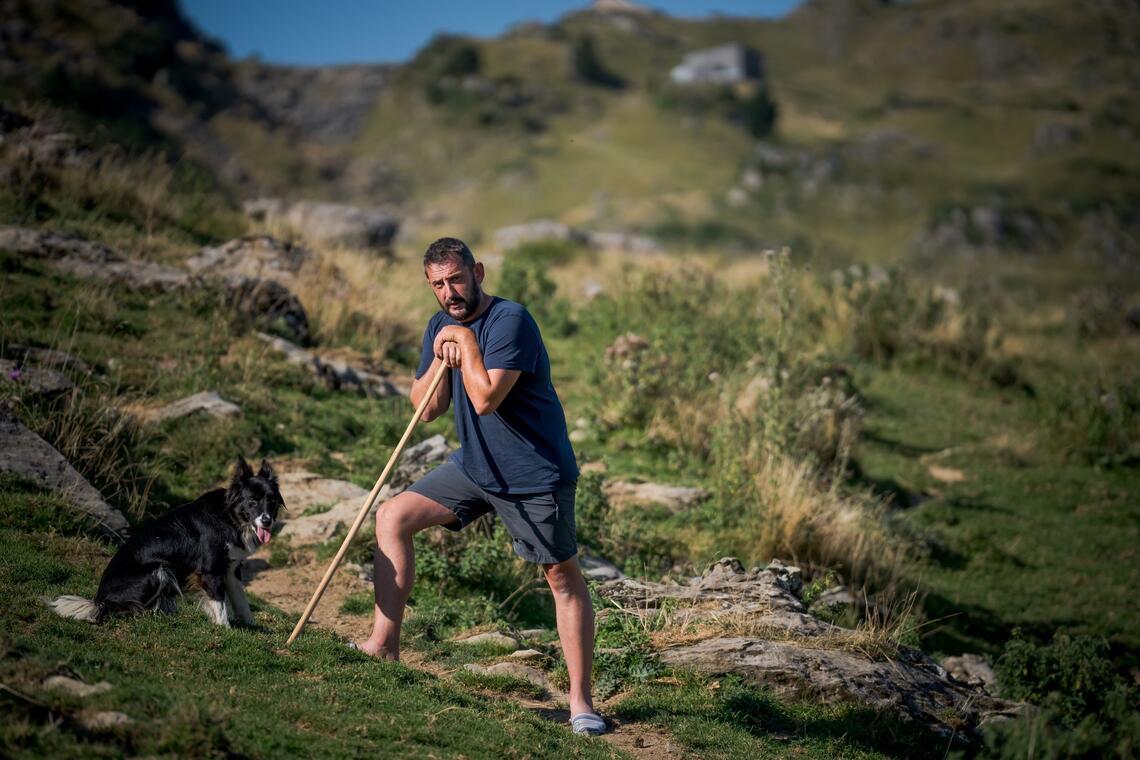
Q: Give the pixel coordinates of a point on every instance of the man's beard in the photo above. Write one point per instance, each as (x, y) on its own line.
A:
(469, 305)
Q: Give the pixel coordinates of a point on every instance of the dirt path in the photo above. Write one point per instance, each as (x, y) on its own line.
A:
(290, 588)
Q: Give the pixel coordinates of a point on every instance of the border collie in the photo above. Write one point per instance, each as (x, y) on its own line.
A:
(200, 544)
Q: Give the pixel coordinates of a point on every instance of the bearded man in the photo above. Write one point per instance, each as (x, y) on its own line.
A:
(514, 459)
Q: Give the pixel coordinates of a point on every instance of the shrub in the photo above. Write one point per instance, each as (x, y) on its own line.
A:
(1096, 418)
(524, 278)
(1087, 709)
(759, 113)
(588, 66)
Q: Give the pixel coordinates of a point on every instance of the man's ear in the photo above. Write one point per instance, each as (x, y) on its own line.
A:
(242, 470)
(479, 272)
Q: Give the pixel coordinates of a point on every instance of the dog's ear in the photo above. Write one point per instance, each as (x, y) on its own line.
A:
(242, 470)
(265, 471)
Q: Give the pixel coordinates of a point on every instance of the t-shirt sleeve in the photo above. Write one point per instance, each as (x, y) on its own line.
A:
(428, 355)
(512, 343)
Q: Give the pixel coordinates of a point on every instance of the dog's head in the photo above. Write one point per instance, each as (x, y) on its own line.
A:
(252, 501)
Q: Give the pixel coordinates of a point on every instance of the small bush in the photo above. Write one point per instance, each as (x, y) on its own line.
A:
(1087, 709)
(523, 278)
(588, 66)
(759, 113)
(1096, 419)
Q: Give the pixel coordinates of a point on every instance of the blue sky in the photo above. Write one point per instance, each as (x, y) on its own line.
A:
(354, 31)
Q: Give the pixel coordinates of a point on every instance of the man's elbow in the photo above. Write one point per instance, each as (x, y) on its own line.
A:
(485, 407)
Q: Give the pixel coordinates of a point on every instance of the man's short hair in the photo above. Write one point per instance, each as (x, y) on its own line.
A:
(447, 249)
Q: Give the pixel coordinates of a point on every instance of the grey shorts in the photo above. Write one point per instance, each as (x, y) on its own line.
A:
(541, 524)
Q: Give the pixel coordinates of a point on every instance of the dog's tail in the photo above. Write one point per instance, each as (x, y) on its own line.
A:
(76, 607)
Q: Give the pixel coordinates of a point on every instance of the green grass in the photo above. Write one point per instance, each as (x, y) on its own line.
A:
(194, 689)
(1025, 538)
(726, 718)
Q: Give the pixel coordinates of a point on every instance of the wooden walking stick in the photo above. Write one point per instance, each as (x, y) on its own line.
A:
(367, 504)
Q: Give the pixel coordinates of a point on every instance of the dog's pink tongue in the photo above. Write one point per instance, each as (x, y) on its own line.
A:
(262, 534)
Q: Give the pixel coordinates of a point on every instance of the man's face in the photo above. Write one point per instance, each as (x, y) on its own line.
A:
(456, 287)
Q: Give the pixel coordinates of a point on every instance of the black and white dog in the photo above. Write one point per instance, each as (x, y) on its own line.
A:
(198, 544)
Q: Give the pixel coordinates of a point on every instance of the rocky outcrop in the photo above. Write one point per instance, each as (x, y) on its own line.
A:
(33, 381)
(253, 256)
(269, 305)
(332, 504)
(321, 103)
(89, 260)
(986, 229)
(334, 373)
(206, 402)
(256, 273)
(676, 499)
(335, 224)
(336, 503)
(547, 229)
(763, 633)
(26, 455)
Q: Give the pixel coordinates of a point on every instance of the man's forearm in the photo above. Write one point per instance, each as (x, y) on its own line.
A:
(476, 381)
(440, 400)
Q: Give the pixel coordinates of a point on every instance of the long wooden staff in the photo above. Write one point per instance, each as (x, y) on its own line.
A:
(367, 504)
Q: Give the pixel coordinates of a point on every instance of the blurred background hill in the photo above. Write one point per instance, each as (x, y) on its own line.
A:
(871, 131)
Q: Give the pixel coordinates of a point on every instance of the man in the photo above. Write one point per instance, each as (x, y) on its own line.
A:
(514, 458)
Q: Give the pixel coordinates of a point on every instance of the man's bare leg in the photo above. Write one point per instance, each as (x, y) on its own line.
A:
(575, 615)
(394, 571)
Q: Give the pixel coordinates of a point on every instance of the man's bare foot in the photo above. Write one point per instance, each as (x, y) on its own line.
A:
(375, 650)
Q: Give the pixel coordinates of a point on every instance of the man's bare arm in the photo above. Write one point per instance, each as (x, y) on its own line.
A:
(442, 398)
(485, 388)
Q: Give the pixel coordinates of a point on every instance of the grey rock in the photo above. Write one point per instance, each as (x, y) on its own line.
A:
(676, 499)
(1051, 136)
(25, 454)
(206, 402)
(75, 687)
(547, 229)
(303, 490)
(416, 461)
(88, 260)
(490, 637)
(34, 381)
(104, 720)
(913, 689)
(598, 569)
(254, 256)
(541, 229)
(972, 670)
(268, 305)
(48, 358)
(335, 224)
(514, 670)
(322, 103)
(334, 373)
(802, 656)
(527, 654)
(533, 633)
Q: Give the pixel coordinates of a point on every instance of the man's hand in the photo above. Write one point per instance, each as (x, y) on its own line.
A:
(451, 342)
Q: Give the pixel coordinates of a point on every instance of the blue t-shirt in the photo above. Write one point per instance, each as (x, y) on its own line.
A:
(523, 446)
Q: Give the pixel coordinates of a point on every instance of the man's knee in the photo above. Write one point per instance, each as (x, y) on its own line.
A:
(565, 578)
(395, 518)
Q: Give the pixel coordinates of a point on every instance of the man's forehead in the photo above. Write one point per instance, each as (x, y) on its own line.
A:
(444, 269)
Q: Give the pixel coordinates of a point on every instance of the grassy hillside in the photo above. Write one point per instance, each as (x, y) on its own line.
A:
(949, 426)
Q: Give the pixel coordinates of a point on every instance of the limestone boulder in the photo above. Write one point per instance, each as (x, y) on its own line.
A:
(26, 455)
(206, 402)
(764, 634)
(335, 224)
(90, 260)
(336, 374)
(676, 499)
